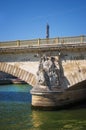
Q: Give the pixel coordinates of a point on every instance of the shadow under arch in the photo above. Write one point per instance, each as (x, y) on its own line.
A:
(63, 79)
(18, 72)
(80, 85)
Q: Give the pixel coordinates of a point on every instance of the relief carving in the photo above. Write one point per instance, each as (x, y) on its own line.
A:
(48, 73)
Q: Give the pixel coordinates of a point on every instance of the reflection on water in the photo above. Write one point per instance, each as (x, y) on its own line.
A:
(14, 116)
(70, 120)
(15, 93)
(16, 113)
(15, 88)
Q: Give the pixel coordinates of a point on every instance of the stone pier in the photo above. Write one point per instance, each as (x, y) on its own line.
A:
(49, 94)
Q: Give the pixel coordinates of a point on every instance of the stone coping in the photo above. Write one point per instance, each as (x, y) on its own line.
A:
(45, 92)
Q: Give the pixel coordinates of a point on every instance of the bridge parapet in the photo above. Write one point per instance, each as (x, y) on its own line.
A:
(40, 42)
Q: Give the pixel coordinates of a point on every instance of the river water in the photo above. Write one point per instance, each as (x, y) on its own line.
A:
(16, 112)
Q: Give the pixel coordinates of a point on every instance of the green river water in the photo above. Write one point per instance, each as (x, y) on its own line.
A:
(16, 112)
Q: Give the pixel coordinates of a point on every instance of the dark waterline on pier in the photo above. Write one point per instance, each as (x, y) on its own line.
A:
(16, 112)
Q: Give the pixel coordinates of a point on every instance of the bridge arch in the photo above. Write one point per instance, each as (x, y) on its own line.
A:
(18, 72)
(77, 77)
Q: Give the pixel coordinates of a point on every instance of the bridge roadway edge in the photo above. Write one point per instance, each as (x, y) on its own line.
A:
(44, 49)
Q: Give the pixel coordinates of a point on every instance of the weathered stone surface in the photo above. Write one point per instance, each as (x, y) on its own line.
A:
(48, 74)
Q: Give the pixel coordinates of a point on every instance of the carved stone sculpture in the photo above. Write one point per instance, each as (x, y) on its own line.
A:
(48, 73)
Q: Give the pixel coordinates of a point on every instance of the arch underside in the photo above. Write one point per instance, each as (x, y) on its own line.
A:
(80, 85)
(18, 72)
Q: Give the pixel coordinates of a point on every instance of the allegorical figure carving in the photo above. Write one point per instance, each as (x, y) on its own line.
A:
(48, 73)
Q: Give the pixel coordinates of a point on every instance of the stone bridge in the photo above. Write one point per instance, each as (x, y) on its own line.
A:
(22, 59)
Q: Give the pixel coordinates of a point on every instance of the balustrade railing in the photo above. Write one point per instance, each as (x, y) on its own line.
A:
(42, 42)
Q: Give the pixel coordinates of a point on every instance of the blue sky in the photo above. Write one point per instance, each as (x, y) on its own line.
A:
(27, 19)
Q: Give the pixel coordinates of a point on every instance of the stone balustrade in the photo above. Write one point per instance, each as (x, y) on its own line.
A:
(39, 42)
